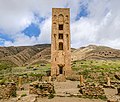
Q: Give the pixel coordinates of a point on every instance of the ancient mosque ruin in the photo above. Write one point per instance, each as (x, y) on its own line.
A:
(60, 43)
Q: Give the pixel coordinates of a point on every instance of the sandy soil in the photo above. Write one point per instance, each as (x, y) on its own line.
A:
(66, 87)
(69, 99)
(56, 99)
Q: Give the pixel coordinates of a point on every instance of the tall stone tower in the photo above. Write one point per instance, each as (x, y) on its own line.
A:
(60, 42)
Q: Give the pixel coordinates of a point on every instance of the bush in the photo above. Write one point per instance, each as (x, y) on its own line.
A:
(6, 65)
(50, 96)
(103, 97)
(85, 72)
(2, 81)
(23, 95)
(14, 94)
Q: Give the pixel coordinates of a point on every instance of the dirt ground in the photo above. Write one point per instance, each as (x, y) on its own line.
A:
(70, 99)
(55, 99)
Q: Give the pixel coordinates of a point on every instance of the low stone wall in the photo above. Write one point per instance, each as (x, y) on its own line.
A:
(41, 88)
(7, 90)
(92, 91)
(25, 79)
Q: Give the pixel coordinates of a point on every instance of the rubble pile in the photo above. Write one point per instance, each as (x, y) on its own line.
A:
(117, 76)
(7, 90)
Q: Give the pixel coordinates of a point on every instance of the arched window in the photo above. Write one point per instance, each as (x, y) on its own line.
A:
(66, 17)
(67, 25)
(54, 25)
(55, 17)
(61, 18)
(60, 46)
(60, 36)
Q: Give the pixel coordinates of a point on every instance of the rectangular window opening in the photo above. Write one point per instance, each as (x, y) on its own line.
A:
(60, 46)
(60, 26)
(60, 70)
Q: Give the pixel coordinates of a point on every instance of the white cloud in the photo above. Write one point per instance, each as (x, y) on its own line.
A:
(83, 32)
(16, 15)
(1, 40)
(13, 16)
(101, 26)
(21, 39)
(45, 36)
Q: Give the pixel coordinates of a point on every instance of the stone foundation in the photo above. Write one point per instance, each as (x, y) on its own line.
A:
(41, 88)
(92, 91)
(61, 78)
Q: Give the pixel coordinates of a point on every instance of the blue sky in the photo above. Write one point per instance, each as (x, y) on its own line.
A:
(82, 13)
(29, 23)
(5, 37)
(32, 30)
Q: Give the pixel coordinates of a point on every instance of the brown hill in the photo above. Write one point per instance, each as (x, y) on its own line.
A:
(28, 55)
(96, 52)
(25, 55)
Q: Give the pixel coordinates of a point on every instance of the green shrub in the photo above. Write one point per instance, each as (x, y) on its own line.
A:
(14, 94)
(50, 96)
(23, 95)
(85, 72)
(2, 81)
(103, 97)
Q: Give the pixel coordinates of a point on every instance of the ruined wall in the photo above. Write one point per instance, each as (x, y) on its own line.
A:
(41, 88)
(92, 91)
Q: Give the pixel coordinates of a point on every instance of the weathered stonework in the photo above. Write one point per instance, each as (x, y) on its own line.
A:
(41, 88)
(7, 90)
(92, 91)
(60, 42)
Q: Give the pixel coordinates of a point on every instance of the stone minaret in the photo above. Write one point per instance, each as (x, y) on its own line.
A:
(60, 42)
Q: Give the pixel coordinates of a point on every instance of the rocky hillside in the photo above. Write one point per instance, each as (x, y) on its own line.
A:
(96, 52)
(25, 55)
(28, 55)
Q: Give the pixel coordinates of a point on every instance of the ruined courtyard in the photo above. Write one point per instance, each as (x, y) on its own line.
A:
(64, 77)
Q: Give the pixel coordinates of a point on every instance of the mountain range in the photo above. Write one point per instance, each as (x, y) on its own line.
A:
(41, 53)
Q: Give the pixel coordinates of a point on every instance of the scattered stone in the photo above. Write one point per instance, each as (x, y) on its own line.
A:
(19, 97)
(34, 100)
(106, 86)
(8, 90)
(112, 100)
(117, 76)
